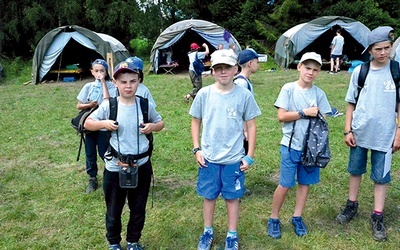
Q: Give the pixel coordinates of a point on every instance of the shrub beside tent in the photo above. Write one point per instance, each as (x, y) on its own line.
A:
(73, 48)
(317, 36)
(178, 37)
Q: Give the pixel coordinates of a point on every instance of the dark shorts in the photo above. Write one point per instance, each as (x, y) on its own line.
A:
(336, 56)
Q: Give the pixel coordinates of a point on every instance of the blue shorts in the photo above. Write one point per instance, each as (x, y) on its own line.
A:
(291, 165)
(336, 56)
(358, 164)
(216, 179)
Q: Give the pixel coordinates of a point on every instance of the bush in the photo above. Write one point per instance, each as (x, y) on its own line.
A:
(140, 47)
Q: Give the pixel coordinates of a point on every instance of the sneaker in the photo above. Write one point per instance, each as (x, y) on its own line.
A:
(274, 228)
(231, 243)
(206, 241)
(331, 72)
(115, 247)
(299, 227)
(134, 246)
(349, 211)
(93, 185)
(378, 228)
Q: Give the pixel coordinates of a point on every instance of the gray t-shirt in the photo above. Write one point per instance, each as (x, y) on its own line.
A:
(374, 119)
(93, 91)
(222, 117)
(129, 139)
(294, 98)
(338, 42)
(143, 91)
(242, 81)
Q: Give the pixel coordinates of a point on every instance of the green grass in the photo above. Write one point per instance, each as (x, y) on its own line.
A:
(43, 204)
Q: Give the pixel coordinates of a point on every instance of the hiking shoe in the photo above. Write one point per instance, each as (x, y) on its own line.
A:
(93, 185)
(349, 211)
(274, 228)
(231, 243)
(205, 241)
(115, 247)
(299, 227)
(134, 246)
(378, 228)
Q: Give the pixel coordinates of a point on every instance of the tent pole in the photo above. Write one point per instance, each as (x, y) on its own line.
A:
(59, 68)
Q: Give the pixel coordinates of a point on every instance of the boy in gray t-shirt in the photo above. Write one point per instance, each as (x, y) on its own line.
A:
(129, 148)
(371, 126)
(221, 109)
(297, 101)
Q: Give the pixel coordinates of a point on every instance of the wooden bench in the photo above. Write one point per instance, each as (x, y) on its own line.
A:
(77, 71)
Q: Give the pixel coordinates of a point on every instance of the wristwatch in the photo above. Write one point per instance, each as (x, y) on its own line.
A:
(194, 150)
(348, 132)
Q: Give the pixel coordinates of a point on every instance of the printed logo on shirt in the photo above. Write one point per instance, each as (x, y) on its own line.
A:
(389, 86)
(231, 112)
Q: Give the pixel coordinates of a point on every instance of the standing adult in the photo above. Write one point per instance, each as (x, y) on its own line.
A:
(196, 79)
(370, 125)
(336, 52)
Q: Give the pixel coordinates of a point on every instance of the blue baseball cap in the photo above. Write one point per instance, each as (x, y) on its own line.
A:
(101, 62)
(247, 55)
(380, 34)
(124, 67)
(136, 61)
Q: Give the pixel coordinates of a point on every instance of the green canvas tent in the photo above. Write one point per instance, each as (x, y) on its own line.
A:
(73, 45)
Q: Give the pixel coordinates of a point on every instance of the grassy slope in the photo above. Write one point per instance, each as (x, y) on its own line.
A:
(42, 199)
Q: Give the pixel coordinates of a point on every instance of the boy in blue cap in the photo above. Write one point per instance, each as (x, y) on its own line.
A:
(142, 90)
(371, 126)
(91, 95)
(128, 149)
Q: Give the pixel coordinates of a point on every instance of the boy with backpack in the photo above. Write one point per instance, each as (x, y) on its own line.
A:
(371, 126)
(218, 113)
(90, 96)
(195, 76)
(297, 101)
(128, 153)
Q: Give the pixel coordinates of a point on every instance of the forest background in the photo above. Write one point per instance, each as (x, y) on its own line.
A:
(137, 23)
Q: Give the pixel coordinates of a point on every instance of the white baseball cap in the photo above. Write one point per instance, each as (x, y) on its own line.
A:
(311, 56)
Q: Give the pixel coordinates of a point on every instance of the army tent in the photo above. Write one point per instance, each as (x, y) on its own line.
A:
(178, 37)
(73, 45)
(317, 36)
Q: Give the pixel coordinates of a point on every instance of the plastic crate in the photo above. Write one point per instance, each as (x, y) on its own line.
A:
(69, 79)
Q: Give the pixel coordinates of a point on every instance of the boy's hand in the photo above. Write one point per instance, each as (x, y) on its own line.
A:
(146, 128)
(311, 111)
(349, 140)
(244, 166)
(200, 159)
(110, 125)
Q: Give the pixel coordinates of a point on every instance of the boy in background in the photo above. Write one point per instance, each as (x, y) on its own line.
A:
(297, 101)
(221, 109)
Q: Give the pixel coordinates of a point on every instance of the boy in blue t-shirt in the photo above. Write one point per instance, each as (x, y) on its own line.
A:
(221, 109)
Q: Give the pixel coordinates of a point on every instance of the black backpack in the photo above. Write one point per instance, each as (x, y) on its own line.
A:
(394, 70)
(78, 122)
(316, 151)
(198, 65)
(144, 106)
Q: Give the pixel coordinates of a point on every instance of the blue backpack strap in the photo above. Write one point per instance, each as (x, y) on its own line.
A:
(247, 80)
(394, 69)
(113, 108)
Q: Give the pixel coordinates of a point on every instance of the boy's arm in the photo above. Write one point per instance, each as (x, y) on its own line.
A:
(93, 125)
(251, 136)
(396, 143)
(348, 134)
(289, 116)
(195, 129)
